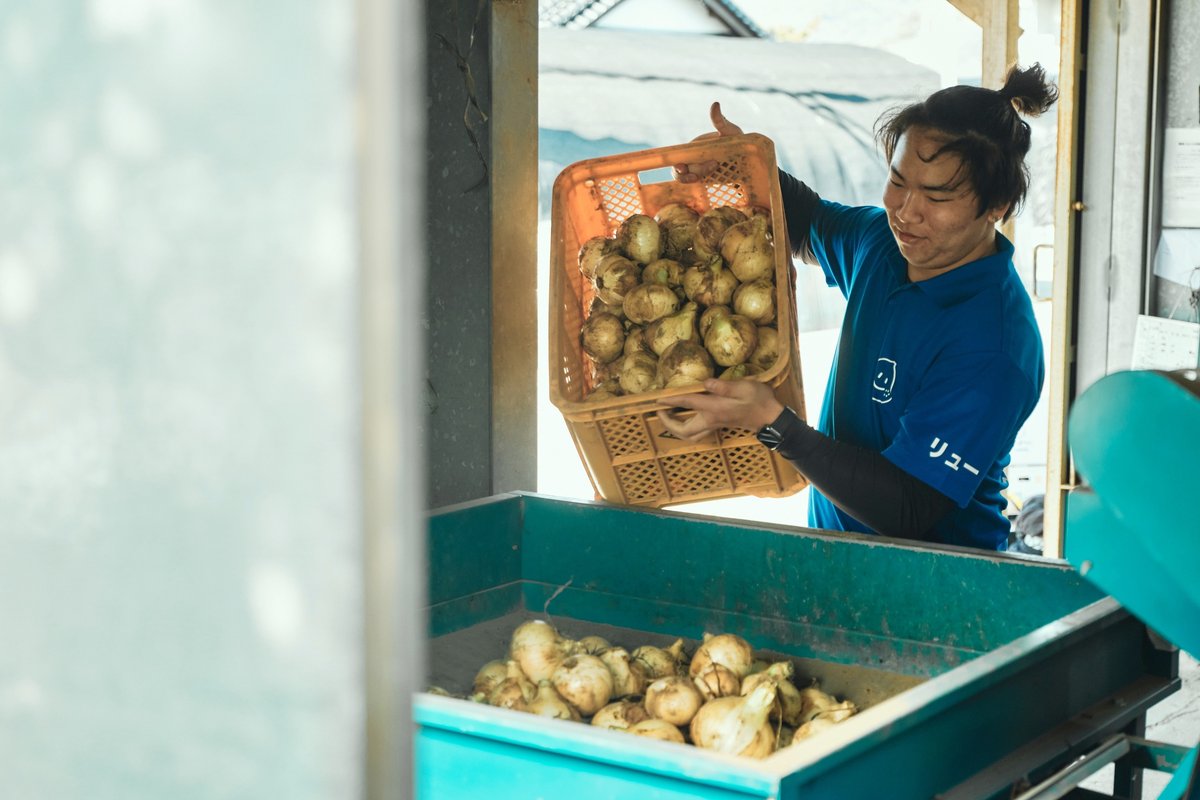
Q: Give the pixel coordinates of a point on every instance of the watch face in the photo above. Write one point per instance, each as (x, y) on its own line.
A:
(770, 437)
(772, 434)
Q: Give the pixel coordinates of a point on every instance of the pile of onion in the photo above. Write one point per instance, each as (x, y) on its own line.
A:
(656, 281)
(720, 698)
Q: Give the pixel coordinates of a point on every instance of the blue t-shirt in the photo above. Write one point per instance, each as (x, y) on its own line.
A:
(938, 375)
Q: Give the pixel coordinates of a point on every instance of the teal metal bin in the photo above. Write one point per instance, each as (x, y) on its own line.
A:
(973, 669)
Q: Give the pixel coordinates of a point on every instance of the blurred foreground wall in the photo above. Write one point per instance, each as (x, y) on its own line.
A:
(180, 588)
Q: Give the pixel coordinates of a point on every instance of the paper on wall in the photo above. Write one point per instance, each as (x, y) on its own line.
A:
(1166, 344)
(1177, 257)
(1181, 178)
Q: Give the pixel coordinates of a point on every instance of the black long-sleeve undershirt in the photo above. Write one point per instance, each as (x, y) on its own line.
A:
(860, 482)
(799, 203)
(866, 485)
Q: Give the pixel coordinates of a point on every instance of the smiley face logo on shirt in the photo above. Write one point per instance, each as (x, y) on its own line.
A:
(885, 380)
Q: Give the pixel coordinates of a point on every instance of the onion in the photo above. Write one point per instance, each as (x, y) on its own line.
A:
(811, 728)
(760, 211)
(784, 737)
(711, 227)
(788, 702)
(755, 300)
(515, 691)
(747, 248)
(489, 676)
(676, 214)
(709, 316)
(841, 711)
(731, 339)
(657, 729)
(717, 680)
(616, 309)
(665, 272)
(592, 251)
(620, 715)
(605, 372)
(677, 327)
(607, 389)
(677, 652)
(585, 682)
(815, 703)
(678, 225)
(674, 699)
(538, 649)
(739, 371)
(710, 284)
(549, 703)
(737, 725)
(728, 650)
(628, 678)
(635, 342)
(684, 363)
(691, 258)
(766, 352)
(640, 239)
(659, 662)
(615, 276)
(650, 302)
(639, 373)
(593, 645)
(438, 691)
(603, 337)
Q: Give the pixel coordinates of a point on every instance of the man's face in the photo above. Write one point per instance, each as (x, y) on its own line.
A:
(934, 221)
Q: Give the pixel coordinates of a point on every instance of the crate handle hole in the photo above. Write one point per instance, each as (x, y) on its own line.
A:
(660, 175)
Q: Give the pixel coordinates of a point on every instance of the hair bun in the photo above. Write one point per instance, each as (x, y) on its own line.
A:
(1028, 90)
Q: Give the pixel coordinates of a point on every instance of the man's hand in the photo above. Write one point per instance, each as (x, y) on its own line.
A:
(690, 173)
(725, 404)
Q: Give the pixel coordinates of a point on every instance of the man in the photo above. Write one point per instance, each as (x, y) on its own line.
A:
(939, 361)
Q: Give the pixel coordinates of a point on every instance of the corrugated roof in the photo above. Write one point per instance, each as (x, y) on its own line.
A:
(572, 13)
(577, 14)
(735, 18)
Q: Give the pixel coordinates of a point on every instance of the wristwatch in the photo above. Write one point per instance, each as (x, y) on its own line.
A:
(772, 435)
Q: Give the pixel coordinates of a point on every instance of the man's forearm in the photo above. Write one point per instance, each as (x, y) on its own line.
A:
(866, 485)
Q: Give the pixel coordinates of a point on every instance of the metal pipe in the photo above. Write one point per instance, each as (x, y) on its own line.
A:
(1062, 782)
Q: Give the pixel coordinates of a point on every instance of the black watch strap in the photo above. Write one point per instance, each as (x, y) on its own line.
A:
(773, 435)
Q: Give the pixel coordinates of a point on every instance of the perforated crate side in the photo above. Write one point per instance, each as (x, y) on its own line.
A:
(750, 465)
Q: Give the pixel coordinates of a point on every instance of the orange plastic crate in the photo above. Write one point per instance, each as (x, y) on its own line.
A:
(627, 454)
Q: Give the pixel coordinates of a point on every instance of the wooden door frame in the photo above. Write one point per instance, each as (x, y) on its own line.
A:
(514, 209)
(1060, 477)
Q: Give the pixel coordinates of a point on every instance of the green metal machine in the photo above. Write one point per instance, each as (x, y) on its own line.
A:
(973, 670)
(1134, 531)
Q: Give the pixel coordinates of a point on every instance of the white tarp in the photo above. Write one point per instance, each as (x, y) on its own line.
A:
(818, 102)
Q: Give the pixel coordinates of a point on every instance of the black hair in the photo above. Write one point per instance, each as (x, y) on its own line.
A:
(983, 127)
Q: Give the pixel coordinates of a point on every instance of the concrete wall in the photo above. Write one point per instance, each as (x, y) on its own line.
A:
(458, 382)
